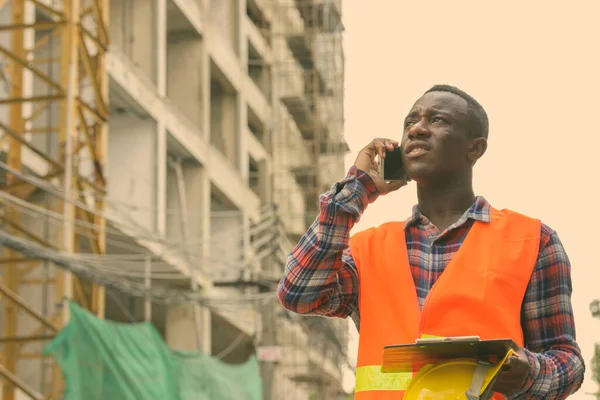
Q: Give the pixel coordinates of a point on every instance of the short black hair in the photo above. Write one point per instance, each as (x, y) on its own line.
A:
(479, 120)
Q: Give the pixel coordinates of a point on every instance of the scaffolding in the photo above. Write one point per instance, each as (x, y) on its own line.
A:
(53, 125)
(314, 349)
(308, 70)
(308, 148)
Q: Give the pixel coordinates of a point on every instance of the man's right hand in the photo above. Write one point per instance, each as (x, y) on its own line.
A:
(366, 161)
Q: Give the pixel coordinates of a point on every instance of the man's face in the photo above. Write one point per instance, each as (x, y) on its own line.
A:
(436, 139)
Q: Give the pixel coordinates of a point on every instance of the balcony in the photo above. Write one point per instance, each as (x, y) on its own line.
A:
(242, 319)
(301, 110)
(321, 15)
(298, 156)
(290, 200)
(226, 60)
(298, 97)
(229, 182)
(256, 100)
(185, 16)
(302, 362)
(258, 40)
(301, 48)
(259, 70)
(143, 91)
(227, 64)
(260, 15)
(256, 149)
(143, 240)
(125, 76)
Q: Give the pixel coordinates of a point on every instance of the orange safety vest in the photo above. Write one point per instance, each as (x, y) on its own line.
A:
(479, 293)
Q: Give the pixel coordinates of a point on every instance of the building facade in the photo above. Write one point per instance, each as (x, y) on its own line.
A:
(164, 147)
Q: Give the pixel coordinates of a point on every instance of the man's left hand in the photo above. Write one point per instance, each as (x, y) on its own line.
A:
(514, 373)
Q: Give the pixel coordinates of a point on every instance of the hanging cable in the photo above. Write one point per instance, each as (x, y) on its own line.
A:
(140, 232)
(161, 295)
(259, 229)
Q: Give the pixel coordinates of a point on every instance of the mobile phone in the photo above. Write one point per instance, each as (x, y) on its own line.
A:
(391, 167)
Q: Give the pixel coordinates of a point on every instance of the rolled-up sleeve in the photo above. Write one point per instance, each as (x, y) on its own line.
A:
(557, 367)
(320, 276)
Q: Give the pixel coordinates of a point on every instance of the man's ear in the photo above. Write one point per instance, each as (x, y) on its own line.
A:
(477, 149)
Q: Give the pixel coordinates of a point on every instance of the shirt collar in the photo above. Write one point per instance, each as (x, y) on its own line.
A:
(479, 211)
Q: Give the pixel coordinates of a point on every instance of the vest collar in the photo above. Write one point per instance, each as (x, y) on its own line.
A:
(479, 211)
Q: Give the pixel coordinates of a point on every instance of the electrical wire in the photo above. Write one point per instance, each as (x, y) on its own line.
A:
(258, 229)
(129, 266)
(132, 319)
(132, 266)
(232, 346)
(161, 295)
(142, 234)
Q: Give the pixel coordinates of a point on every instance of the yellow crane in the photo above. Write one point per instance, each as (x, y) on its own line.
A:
(56, 94)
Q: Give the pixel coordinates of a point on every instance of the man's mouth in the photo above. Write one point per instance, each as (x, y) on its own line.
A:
(416, 152)
(417, 149)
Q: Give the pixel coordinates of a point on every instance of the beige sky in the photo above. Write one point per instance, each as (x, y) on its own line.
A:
(535, 67)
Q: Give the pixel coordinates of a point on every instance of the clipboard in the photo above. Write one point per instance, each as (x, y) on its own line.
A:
(427, 351)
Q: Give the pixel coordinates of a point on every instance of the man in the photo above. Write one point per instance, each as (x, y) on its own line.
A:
(511, 275)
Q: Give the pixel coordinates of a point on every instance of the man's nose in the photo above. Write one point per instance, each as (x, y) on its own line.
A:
(419, 130)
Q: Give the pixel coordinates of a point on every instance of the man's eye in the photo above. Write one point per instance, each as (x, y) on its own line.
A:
(437, 119)
(408, 123)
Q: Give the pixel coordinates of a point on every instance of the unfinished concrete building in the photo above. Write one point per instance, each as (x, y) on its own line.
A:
(158, 159)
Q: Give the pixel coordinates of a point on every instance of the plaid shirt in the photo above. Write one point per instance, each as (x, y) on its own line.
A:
(321, 278)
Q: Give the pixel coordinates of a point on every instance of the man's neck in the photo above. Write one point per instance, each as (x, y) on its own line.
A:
(444, 204)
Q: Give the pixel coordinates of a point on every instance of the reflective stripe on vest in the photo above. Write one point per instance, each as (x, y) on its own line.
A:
(370, 377)
(479, 294)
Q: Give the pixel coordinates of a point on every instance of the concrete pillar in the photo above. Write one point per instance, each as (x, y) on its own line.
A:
(246, 237)
(264, 181)
(203, 198)
(161, 179)
(133, 174)
(185, 76)
(242, 145)
(142, 45)
(243, 35)
(130, 24)
(224, 18)
(205, 82)
(160, 38)
(198, 203)
(197, 192)
(242, 107)
(160, 56)
(204, 181)
(180, 329)
(173, 219)
(229, 126)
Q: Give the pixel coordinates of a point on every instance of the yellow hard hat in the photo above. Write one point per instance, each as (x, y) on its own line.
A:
(452, 380)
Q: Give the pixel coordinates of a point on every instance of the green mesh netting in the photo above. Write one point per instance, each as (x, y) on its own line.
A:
(103, 360)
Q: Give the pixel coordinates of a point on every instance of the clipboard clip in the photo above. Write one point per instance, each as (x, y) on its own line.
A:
(454, 339)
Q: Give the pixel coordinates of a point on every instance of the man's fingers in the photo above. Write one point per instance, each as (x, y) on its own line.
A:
(367, 158)
(381, 145)
(505, 377)
(389, 143)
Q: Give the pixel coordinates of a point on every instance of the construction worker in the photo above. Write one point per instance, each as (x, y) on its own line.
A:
(456, 267)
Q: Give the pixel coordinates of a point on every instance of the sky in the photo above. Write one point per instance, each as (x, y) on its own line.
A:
(534, 66)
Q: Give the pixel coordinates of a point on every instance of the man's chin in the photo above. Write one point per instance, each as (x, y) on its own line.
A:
(421, 174)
